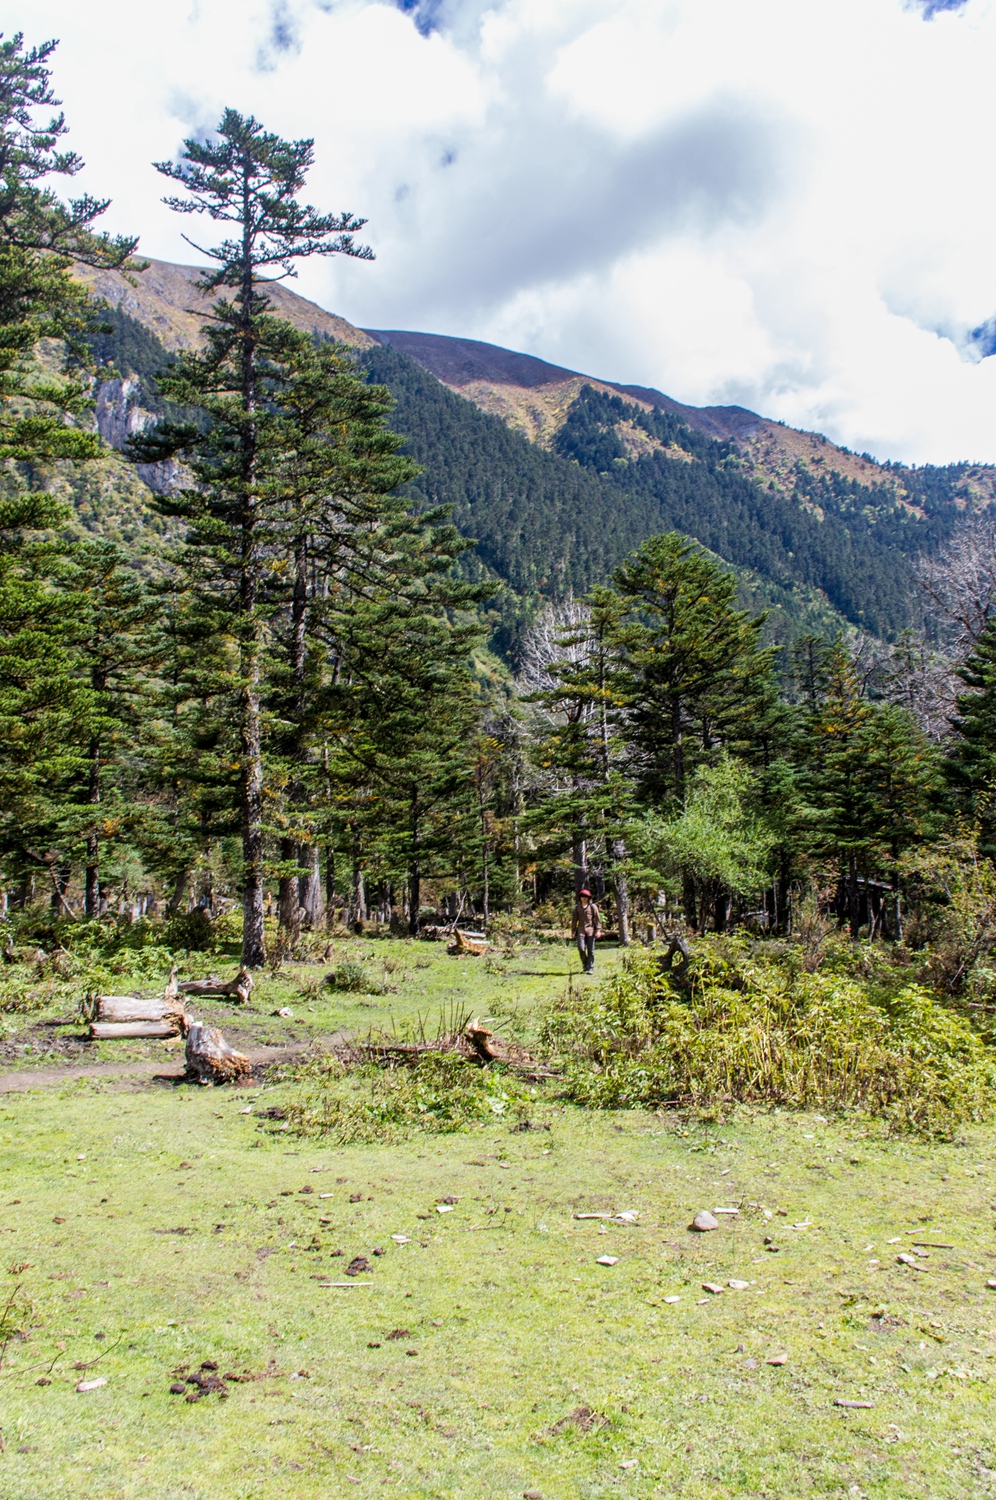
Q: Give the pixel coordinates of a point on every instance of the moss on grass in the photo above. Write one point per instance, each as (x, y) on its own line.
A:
(175, 1225)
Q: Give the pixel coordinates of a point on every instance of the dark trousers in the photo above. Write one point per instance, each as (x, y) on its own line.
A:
(586, 948)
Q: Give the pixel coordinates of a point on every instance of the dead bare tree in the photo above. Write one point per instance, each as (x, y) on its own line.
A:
(959, 584)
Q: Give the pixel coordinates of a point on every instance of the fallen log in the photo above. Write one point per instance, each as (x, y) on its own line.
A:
(475, 1044)
(108, 1030)
(239, 988)
(133, 1015)
(210, 1059)
(469, 947)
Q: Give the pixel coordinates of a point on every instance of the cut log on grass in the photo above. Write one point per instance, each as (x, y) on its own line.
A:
(239, 988)
(470, 947)
(120, 1015)
(105, 1031)
(210, 1059)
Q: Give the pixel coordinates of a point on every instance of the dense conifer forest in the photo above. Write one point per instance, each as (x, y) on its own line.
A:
(378, 656)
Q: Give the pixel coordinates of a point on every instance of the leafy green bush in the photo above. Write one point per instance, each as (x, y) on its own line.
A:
(438, 1093)
(192, 930)
(351, 977)
(754, 1026)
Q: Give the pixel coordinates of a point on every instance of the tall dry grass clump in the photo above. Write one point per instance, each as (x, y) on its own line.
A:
(751, 1023)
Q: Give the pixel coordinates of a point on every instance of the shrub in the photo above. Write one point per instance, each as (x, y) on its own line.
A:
(758, 1028)
(351, 976)
(438, 1093)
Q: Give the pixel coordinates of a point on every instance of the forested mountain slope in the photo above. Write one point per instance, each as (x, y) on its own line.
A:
(559, 476)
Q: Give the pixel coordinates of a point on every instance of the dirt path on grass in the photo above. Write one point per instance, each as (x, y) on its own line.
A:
(164, 1071)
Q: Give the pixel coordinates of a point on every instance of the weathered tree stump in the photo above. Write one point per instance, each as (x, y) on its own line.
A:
(239, 988)
(210, 1059)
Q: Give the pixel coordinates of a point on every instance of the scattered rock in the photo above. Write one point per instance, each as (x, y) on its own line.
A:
(412, 1353)
(991, 1285)
(777, 1359)
(444, 1208)
(910, 1260)
(750, 1364)
(531, 1495)
(628, 1463)
(738, 1286)
(92, 1385)
(401, 1239)
(672, 1299)
(855, 1405)
(704, 1221)
(712, 1287)
(607, 1260)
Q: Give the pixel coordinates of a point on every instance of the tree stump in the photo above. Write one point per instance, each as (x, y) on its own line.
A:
(210, 1059)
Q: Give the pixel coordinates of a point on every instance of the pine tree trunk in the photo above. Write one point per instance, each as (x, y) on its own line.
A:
(853, 897)
(329, 885)
(309, 886)
(414, 870)
(91, 881)
(251, 809)
(622, 891)
(287, 899)
(250, 724)
(579, 854)
(179, 891)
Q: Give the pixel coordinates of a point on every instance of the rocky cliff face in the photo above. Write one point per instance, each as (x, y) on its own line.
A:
(120, 416)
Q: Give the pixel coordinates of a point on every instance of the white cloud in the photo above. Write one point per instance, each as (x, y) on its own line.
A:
(785, 203)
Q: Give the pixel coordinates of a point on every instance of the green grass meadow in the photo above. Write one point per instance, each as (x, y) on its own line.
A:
(149, 1227)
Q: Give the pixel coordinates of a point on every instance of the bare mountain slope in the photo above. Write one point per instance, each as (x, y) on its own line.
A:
(167, 300)
(535, 397)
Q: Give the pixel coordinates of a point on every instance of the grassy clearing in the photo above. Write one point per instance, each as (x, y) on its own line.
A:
(175, 1225)
(172, 1221)
(410, 984)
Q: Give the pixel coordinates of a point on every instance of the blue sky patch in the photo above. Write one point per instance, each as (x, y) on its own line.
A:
(425, 13)
(934, 7)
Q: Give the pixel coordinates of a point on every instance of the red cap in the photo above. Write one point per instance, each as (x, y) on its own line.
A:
(584, 891)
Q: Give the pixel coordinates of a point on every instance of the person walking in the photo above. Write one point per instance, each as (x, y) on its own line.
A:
(586, 926)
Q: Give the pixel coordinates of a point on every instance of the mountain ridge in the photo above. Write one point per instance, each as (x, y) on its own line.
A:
(559, 475)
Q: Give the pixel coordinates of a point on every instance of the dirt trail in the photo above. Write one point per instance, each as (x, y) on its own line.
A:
(167, 1070)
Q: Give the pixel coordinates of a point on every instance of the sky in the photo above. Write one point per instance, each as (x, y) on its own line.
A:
(783, 204)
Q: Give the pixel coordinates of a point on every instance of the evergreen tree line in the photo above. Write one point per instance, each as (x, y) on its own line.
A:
(294, 708)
